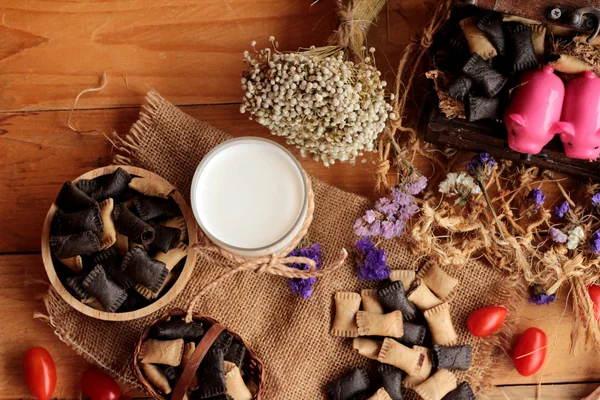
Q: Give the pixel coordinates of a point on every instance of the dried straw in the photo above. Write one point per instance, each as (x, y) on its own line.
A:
(453, 235)
(581, 51)
(356, 17)
(449, 106)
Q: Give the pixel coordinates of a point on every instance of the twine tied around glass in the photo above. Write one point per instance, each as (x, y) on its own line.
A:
(274, 264)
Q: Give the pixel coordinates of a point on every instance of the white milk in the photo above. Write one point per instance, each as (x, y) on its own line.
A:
(249, 196)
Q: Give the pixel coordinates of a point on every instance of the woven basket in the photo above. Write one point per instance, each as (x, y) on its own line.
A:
(255, 366)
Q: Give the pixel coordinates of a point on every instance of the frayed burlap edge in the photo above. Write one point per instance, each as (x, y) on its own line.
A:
(50, 300)
(127, 146)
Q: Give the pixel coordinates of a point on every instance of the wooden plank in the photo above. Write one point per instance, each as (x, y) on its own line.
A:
(189, 50)
(20, 297)
(405, 19)
(490, 136)
(561, 365)
(22, 283)
(546, 392)
(39, 152)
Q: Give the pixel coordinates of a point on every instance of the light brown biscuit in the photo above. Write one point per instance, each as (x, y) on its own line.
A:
(347, 305)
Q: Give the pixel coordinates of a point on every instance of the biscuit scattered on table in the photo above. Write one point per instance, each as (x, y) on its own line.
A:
(389, 324)
(347, 305)
(440, 325)
(354, 384)
(369, 348)
(392, 297)
(400, 356)
(410, 381)
(370, 303)
(452, 357)
(437, 386)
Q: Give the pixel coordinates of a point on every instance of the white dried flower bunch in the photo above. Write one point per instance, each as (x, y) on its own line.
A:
(326, 106)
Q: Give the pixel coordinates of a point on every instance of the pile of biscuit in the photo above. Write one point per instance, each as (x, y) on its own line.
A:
(120, 237)
(483, 52)
(395, 326)
(223, 373)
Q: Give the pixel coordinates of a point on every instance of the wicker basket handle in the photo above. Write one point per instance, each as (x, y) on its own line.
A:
(194, 362)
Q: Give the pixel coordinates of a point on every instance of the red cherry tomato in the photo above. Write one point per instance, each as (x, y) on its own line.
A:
(98, 385)
(486, 320)
(530, 352)
(594, 292)
(40, 372)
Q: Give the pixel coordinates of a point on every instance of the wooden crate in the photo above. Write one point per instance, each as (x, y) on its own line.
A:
(490, 136)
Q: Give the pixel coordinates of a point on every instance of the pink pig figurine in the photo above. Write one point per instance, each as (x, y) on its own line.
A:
(580, 120)
(534, 110)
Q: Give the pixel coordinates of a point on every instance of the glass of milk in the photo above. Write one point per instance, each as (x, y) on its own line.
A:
(250, 196)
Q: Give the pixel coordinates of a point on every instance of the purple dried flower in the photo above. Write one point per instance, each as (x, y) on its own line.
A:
(481, 165)
(594, 242)
(408, 212)
(399, 226)
(557, 235)
(373, 265)
(364, 244)
(561, 209)
(417, 186)
(485, 157)
(386, 206)
(535, 198)
(304, 287)
(596, 200)
(481, 168)
(400, 198)
(387, 229)
(538, 295)
(542, 299)
(370, 216)
(375, 228)
(360, 229)
(390, 216)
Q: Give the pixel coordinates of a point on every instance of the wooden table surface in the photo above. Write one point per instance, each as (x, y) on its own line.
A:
(191, 52)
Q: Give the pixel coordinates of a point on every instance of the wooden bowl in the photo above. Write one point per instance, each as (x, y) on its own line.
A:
(251, 360)
(177, 287)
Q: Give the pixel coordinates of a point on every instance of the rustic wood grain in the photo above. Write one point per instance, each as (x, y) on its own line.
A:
(23, 282)
(404, 19)
(191, 52)
(21, 297)
(561, 366)
(547, 392)
(39, 153)
(188, 50)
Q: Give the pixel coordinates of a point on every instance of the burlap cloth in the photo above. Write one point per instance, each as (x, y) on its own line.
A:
(289, 334)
